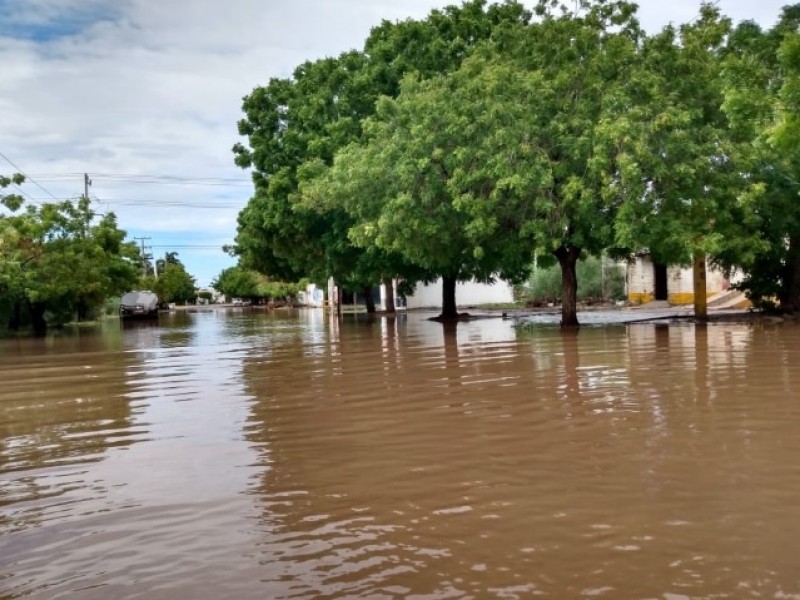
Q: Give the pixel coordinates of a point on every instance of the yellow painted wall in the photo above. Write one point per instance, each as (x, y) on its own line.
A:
(681, 298)
(639, 297)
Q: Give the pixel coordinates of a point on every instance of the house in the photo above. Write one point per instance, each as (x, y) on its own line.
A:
(468, 293)
(313, 296)
(646, 281)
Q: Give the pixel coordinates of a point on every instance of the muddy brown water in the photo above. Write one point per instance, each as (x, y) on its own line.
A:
(248, 455)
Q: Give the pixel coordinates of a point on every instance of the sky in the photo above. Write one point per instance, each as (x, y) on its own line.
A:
(144, 97)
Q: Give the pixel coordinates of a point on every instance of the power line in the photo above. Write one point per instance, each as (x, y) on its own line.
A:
(23, 192)
(155, 179)
(150, 202)
(190, 247)
(33, 181)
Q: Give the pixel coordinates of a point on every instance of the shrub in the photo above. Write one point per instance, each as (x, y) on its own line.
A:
(598, 280)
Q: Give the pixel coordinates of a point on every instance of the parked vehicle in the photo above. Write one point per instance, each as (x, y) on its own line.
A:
(142, 304)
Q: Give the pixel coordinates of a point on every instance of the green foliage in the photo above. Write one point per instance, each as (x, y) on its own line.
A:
(544, 286)
(506, 154)
(174, 284)
(11, 201)
(238, 282)
(58, 264)
(676, 173)
(279, 290)
(459, 145)
(294, 126)
(597, 281)
(762, 76)
(111, 306)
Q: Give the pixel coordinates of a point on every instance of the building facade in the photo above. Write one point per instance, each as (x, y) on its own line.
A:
(647, 281)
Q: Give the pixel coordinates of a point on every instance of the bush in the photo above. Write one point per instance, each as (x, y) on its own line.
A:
(597, 282)
(111, 306)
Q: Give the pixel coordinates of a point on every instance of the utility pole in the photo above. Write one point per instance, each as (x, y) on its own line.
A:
(144, 256)
(86, 183)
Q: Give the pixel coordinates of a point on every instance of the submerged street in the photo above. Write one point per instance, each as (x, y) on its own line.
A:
(246, 454)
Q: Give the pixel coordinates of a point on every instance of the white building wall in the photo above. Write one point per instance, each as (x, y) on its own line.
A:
(640, 280)
(468, 293)
(680, 281)
(312, 296)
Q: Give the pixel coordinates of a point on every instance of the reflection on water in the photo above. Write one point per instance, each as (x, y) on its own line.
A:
(290, 455)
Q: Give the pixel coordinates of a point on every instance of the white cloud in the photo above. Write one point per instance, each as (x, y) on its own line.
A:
(155, 87)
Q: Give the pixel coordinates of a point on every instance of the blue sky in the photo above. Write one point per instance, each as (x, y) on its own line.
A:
(144, 95)
(45, 21)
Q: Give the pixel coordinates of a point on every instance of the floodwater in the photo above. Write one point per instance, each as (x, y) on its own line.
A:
(248, 455)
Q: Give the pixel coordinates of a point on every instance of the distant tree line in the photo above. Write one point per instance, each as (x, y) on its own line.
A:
(238, 282)
(464, 144)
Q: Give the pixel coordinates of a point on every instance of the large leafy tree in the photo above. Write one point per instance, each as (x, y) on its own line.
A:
(760, 73)
(508, 154)
(170, 258)
(237, 282)
(450, 203)
(57, 261)
(583, 62)
(175, 284)
(302, 120)
(684, 187)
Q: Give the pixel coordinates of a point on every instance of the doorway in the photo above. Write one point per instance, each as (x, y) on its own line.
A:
(660, 279)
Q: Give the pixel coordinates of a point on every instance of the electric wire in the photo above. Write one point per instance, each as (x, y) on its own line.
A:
(127, 178)
(223, 204)
(32, 180)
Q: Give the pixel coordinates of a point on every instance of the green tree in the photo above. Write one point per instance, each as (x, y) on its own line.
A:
(307, 118)
(174, 284)
(170, 258)
(683, 186)
(758, 77)
(57, 263)
(508, 154)
(237, 282)
(279, 290)
(584, 61)
(439, 206)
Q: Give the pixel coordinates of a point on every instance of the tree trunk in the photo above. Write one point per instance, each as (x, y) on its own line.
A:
(789, 294)
(37, 318)
(449, 310)
(368, 301)
(82, 311)
(388, 283)
(700, 295)
(15, 320)
(568, 257)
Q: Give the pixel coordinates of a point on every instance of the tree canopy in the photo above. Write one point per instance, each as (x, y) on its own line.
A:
(238, 282)
(303, 120)
(58, 263)
(466, 174)
(459, 145)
